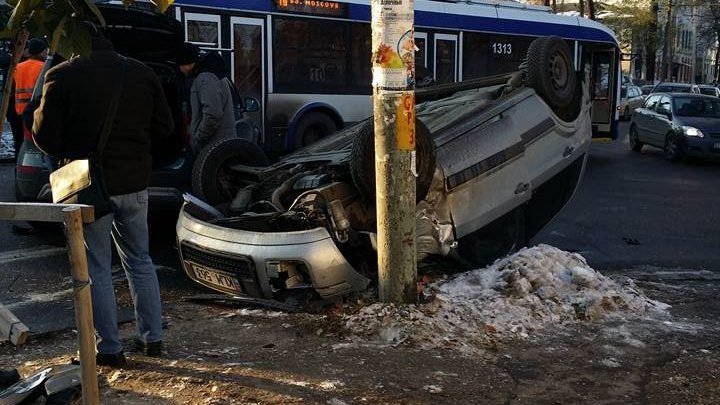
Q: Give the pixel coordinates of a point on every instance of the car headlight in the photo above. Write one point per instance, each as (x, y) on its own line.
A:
(692, 131)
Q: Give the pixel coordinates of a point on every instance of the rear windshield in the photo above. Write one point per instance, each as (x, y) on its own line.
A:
(708, 90)
(696, 107)
(672, 89)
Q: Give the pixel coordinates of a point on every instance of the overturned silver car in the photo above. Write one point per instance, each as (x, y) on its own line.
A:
(497, 159)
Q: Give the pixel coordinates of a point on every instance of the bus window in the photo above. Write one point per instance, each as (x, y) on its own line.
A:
(248, 68)
(445, 58)
(360, 48)
(491, 54)
(421, 51)
(309, 57)
(203, 29)
(603, 79)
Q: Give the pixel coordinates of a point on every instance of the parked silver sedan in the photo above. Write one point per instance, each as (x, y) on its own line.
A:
(631, 97)
(681, 124)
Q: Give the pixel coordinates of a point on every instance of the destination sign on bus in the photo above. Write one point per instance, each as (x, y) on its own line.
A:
(315, 7)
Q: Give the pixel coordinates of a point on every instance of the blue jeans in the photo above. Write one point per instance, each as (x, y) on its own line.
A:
(128, 227)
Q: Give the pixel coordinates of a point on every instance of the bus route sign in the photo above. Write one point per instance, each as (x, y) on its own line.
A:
(314, 7)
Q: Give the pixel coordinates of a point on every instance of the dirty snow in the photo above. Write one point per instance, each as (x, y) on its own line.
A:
(523, 293)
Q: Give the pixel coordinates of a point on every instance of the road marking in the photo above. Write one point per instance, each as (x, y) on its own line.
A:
(30, 254)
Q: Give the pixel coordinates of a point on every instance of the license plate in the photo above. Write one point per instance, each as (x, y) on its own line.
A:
(717, 145)
(217, 279)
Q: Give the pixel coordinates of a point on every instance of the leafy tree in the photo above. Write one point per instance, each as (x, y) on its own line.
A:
(708, 32)
(635, 22)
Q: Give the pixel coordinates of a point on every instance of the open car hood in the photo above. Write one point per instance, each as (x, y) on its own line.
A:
(142, 34)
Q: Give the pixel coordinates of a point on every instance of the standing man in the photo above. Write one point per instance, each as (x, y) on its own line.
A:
(75, 103)
(26, 75)
(211, 103)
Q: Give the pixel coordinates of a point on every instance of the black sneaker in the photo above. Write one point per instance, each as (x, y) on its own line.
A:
(150, 349)
(116, 360)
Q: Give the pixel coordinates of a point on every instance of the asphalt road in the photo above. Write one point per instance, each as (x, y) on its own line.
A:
(638, 209)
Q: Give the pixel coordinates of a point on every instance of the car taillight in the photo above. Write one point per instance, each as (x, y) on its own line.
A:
(28, 169)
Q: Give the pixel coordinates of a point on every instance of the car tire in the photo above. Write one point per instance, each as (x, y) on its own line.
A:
(673, 149)
(312, 127)
(362, 161)
(634, 139)
(212, 180)
(550, 72)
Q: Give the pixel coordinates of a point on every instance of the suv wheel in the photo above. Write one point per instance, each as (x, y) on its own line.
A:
(362, 161)
(213, 180)
(550, 71)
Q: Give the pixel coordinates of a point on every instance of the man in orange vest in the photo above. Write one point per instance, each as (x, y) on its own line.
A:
(26, 75)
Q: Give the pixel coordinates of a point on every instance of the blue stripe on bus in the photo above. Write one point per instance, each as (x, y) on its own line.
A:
(495, 25)
(441, 20)
(254, 5)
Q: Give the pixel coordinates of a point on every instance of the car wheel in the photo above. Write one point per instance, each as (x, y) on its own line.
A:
(362, 161)
(549, 70)
(673, 149)
(626, 114)
(634, 139)
(212, 178)
(312, 127)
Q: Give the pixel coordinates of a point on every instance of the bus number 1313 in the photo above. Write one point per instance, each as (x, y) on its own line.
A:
(502, 49)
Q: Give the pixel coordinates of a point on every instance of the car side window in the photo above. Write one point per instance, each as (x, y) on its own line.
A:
(664, 104)
(651, 102)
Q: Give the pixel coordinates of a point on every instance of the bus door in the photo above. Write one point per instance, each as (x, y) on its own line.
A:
(603, 88)
(248, 62)
(446, 58)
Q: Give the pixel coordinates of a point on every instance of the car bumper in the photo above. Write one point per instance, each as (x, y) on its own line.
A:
(259, 264)
(702, 148)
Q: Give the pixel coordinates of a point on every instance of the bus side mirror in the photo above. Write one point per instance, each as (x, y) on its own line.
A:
(251, 104)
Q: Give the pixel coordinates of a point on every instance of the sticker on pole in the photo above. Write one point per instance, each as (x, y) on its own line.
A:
(393, 45)
(406, 122)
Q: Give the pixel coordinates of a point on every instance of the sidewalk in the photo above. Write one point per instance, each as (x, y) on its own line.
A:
(225, 355)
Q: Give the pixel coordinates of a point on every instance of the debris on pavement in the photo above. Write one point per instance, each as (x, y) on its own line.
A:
(534, 288)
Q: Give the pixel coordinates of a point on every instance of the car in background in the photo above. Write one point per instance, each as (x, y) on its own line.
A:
(647, 89)
(681, 124)
(676, 88)
(151, 38)
(709, 90)
(631, 97)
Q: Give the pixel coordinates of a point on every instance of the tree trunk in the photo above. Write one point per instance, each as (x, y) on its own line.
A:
(546, 3)
(717, 62)
(554, 6)
(665, 71)
(651, 44)
(581, 4)
(591, 9)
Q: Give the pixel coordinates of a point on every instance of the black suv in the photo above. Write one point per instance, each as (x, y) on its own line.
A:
(151, 38)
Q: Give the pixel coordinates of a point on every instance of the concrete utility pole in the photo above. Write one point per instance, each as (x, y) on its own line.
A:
(394, 116)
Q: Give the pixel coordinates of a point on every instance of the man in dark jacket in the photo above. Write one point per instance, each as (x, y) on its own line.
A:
(75, 102)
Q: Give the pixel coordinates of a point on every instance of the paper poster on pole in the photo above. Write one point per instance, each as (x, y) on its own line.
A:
(393, 46)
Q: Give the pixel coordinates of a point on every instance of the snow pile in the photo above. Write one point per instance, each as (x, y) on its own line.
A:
(522, 293)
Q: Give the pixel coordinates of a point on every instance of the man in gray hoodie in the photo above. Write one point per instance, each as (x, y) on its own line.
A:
(211, 103)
